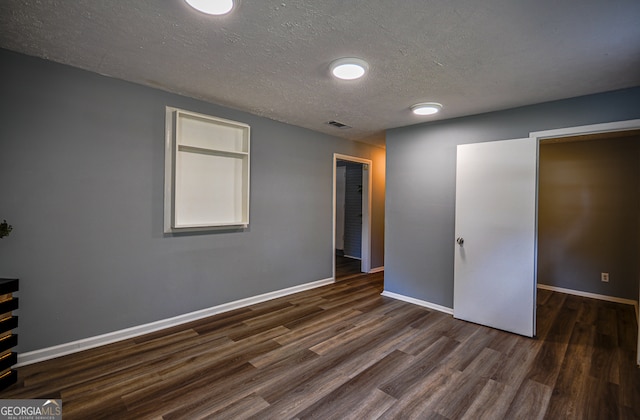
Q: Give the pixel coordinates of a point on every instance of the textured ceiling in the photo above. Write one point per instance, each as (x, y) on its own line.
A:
(271, 58)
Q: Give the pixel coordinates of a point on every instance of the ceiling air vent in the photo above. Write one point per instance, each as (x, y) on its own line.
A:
(338, 124)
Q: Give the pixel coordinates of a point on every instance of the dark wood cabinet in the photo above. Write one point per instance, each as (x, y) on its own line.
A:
(8, 340)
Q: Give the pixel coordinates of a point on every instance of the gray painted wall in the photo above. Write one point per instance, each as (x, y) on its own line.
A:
(81, 181)
(588, 214)
(421, 168)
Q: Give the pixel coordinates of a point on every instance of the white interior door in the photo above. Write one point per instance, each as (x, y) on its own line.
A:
(494, 280)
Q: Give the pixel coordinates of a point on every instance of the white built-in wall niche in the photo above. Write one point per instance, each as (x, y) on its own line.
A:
(206, 172)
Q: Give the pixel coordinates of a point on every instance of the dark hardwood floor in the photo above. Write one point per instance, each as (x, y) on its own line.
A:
(344, 352)
(347, 267)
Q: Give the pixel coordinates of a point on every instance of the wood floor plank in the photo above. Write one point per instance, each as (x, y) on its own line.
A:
(474, 344)
(547, 312)
(89, 403)
(454, 405)
(54, 372)
(287, 404)
(514, 364)
(374, 304)
(629, 383)
(339, 403)
(417, 401)
(304, 341)
(219, 320)
(217, 323)
(343, 351)
(468, 385)
(313, 320)
(430, 330)
(588, 312)
(627, 330)
(281, 316)
(344, 338)
(424, 363)
(546, 367)
(543, 296)
(242, 409)
(606, 405)
(607, 321)
(310, 377)
(489, 404)
(372, 353)
(570, 398)
(604, 360)
(531, 401)
(370, 407)
(374, 326)
(113, 360)
(496, 397)
(186, 391)
(357, 297)
(205, 371)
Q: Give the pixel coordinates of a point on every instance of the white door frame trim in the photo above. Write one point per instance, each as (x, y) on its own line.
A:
(367, 182)
(589, 129)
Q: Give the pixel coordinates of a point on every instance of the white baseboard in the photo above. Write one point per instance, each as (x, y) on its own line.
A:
(588, 294)
(418, 302)
(376, 270)
(352, 257)
(108, 338)
(591, 295)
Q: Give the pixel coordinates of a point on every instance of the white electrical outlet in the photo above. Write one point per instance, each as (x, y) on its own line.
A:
(604, 277)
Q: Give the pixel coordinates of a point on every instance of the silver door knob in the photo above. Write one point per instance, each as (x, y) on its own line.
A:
(460, 241)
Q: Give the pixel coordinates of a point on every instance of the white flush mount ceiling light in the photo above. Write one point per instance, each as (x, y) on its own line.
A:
(349, 68)
(426, 108)
(212, 7)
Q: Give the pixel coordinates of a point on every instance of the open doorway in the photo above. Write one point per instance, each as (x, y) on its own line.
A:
(348, 226)
(351, 208)
(588, 219)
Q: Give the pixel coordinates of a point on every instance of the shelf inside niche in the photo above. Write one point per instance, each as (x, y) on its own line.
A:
(192, 149)
(206, 172)
(210, 133)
